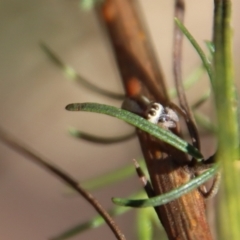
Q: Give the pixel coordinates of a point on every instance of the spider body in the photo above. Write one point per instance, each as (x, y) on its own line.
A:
(164, 116)
(154, 112)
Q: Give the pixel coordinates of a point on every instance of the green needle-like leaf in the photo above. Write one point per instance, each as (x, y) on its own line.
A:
(73, 75)
(89, 4)
(144, 224)
(205, 96)
(204, 122)
(147, 223)
(170, 196)
(97, 139)
(190, 81)
(210, 47)
(200, 52)
(94, 223)
(138, 122)
(112, 177)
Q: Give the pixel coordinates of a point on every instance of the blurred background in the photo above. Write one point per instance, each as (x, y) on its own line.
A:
(33, 96)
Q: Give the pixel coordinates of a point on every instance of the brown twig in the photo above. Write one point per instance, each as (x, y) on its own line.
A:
(132, 47)
(184, 218)
(177, 70)
(24, 150)
(177, 55)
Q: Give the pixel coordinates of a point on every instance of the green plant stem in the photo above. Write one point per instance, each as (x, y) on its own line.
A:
(226, 109)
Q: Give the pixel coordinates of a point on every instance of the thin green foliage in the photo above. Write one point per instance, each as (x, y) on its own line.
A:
(205, 96)
(206, 62)
(99, 139)
(204, 122)
(140, 123)
(170, 196)
(88, 4)
(95, 222)
(64, 177)
(210, 47)
(144, 224)
(73, 75)
(191, 80)
(147, 218)
(112, 177)
(70, 73)
(147, 221)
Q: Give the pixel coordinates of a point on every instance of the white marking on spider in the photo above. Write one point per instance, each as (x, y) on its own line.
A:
(157, 114)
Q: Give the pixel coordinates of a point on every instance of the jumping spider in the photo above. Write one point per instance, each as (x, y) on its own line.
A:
(154, 112)
(164, 116)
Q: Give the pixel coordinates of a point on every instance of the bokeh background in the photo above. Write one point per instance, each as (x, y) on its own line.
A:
(34, 93)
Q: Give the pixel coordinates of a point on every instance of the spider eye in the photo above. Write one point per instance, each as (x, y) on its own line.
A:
(154, 112)
(156, 106)
(166, 117)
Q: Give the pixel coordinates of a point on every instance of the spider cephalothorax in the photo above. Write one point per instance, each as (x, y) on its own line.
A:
(164, 116)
